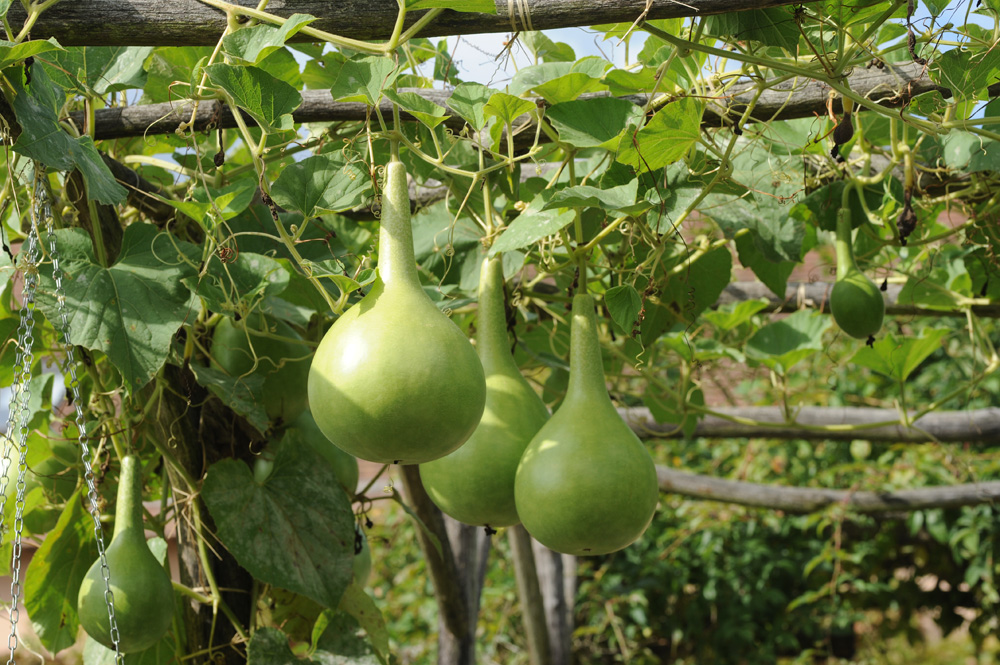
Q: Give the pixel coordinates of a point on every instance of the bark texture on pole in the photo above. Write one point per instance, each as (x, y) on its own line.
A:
(795, 98)
(533, 616)
(808, 500)
(193, 23)
(817, 295)
(980, 426)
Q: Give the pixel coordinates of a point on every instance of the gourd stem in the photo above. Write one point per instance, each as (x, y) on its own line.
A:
(128, 511)
(843, 245)
(396, 263)
(586, 368)
(491, 337)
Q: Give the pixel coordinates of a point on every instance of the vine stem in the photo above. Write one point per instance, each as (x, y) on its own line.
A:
(265, 186)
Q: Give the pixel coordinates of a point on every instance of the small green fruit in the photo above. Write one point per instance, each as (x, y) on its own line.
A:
(586, 485)
(143, 594)
(283, 362)
(363, 561)
(855, 302)
(395, 380)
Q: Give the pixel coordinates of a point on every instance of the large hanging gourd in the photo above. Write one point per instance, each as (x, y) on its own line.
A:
(586, 485)
(475, 484)
(395, 380)
(855, 302)
(143, 594)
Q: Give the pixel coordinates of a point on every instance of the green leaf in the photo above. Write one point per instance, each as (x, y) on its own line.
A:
(531, 225)
(783, 343)
(268, 100)
(253, 44)
(940, 288)
(247, 279)
(11, 53)
(966, 73)
(52, 581)
(43, 139)
(131, 310)
(967, 152)
(338, 645)
(666, 138)
(360, 605)
(561, 81)
(774, 26)
(236, 392)
(324, 183)
(469, 101)
(419, 107)
(621, 198)
(296, 530)
(623, 303)
(230, 201)
(481, 6)
(897, 357)
(362, 79)
(773, 274)
(545, 49)
(163, 652)
(507, 108)
(665, 408)
(90, 70)
(592, 123)
(730, 317)
(684, 295)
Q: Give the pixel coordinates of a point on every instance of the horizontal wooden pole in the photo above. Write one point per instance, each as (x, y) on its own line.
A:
(817, 295)
(792, 99)
(981, 426)
(194, 23)
(807, 500)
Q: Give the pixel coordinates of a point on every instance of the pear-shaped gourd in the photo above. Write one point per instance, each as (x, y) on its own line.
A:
(586, 485)
(394, 380)
(143, 595)
(855, 302)
(475, 484)
(282, 360)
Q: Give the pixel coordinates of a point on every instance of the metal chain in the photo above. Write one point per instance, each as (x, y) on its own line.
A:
(44, 212)
(18, 417)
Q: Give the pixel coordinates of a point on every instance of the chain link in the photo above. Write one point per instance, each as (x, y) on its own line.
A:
(43, 211)
(17, 422)
(19, 412)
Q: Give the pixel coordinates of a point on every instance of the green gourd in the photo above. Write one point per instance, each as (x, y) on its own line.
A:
(143, 594)
(394, 380)
(475, 484)
(283, 362)
(586, 485)
(855, 301)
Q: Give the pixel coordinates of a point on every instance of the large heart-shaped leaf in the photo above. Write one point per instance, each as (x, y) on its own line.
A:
(131, 310)
(324, 183)
(295, 530)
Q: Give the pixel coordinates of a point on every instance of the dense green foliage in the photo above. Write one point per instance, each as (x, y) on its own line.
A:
(687, 171)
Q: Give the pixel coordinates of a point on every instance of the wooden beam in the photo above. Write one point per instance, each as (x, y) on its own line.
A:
(817, 294)
(791, 99)
(824, 423)
(193, 23)
(808, 499)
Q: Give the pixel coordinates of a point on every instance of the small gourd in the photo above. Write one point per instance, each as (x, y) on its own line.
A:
(284, 362)
(475, 484)
(855, 301)
(394, 380)
(143, 594)
(586, 485)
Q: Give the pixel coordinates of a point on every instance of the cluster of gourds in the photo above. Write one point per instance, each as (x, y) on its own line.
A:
(396, 381)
